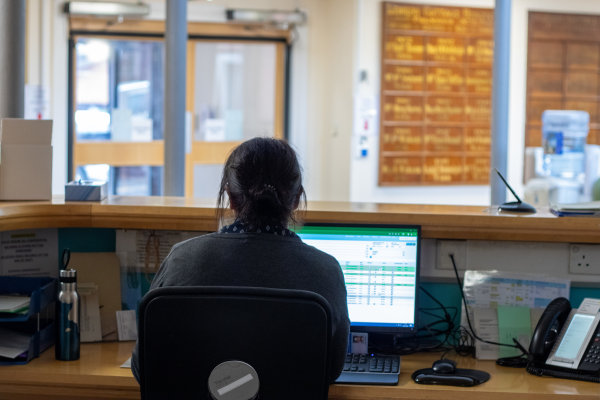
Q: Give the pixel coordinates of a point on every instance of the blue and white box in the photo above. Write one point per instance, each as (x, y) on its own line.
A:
(84, 190)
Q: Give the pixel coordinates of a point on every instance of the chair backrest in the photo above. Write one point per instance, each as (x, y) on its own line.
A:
(185, 332)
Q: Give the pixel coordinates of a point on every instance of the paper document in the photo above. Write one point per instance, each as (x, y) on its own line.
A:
(127, 363)
(13, 304)
(513, 322)
(126, 325)
(485, 321)
(29, 253)
(503, 306)
(91, 325)
(590, 208)
(13, 344)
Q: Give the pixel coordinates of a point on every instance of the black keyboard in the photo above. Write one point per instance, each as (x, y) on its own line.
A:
(370, 369)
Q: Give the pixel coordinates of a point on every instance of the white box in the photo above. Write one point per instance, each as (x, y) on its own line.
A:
(25, 159)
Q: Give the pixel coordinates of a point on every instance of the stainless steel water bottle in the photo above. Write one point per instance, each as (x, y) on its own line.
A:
(67, 317)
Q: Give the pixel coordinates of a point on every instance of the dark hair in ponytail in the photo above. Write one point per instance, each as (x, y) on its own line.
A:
(263, 181)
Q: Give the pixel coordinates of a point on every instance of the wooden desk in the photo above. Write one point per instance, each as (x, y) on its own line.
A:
(97, 375)
(178, 213)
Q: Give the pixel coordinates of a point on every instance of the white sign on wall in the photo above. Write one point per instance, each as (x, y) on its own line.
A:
(29, 253)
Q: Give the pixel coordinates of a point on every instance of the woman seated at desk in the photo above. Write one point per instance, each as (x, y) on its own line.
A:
(263, 184)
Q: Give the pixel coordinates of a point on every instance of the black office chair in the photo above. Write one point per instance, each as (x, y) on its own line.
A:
(185, 332)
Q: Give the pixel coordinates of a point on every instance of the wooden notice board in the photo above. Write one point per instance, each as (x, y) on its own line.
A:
(436, 86)
(563, 69)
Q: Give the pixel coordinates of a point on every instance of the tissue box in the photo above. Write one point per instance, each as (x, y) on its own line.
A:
(85, 190)
(25, 159)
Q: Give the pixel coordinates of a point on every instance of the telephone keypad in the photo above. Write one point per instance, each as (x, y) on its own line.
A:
(592, 356)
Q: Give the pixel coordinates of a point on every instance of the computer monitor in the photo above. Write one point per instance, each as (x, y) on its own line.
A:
(381, 269)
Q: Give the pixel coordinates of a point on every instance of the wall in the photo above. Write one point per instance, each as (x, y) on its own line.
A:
(331, 38)
(46, 64)
(363, 184)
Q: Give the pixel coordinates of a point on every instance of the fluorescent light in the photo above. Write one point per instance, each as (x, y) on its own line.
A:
(276, 17)
(106, 9)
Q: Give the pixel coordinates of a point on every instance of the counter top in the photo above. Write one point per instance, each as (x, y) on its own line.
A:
(179, 213)
(97, 375)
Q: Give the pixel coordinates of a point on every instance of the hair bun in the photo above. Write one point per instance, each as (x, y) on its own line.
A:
(267, 194)
(270, 188)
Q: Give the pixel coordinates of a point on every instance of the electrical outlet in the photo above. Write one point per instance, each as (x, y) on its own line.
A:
(584, 259)
(447, 247)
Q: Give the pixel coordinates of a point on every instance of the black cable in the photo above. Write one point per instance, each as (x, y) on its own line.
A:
(440, 303)
(414, 343)
(447, 319)
(465, 342)
(400, 343)
(507, 361)
(462, 340)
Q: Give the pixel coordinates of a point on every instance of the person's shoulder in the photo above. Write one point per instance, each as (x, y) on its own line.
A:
(196, 242)
(311, 251)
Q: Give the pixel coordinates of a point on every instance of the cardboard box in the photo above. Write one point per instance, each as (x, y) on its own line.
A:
(25, 159)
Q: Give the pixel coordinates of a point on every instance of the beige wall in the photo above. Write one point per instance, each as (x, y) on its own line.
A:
(46, 65)
(330, 49)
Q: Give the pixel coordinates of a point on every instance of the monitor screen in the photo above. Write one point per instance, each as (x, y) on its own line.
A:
(381, 269)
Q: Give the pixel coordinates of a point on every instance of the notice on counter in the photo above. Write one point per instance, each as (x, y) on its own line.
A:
(29, 253)
(503, 306)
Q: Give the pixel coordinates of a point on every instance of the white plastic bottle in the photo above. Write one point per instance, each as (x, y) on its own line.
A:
(564, 134)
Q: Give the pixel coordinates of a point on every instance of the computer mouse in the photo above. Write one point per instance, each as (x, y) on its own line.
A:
(444, 366)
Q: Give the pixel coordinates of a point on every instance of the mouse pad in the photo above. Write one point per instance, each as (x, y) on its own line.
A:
(462, 377)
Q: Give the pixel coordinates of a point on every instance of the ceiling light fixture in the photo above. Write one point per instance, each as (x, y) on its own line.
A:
(275, 17)
(107, 9)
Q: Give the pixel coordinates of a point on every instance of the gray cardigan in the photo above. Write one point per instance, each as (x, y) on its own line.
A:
(259, 260)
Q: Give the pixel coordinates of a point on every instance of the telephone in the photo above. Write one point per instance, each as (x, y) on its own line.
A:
(566, 341)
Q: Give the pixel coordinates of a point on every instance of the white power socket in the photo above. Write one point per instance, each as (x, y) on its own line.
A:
(447, 247)
(584, 259)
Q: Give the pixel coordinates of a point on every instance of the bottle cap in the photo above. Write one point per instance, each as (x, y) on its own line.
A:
(68, 275)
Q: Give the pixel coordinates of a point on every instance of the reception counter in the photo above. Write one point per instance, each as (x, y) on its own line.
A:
(97, 375)
(174, 213)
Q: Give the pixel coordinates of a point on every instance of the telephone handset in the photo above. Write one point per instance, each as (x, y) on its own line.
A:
(566, 341)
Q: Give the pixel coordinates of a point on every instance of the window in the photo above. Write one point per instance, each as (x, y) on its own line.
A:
(118, 103)
(235, 91)
(237, 95)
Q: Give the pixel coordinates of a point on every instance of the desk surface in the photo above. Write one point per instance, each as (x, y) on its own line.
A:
(97, 375)
(179, 213)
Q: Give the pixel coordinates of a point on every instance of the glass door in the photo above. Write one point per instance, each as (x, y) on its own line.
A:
(118, 102)
(238, 93)
(235, 91)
